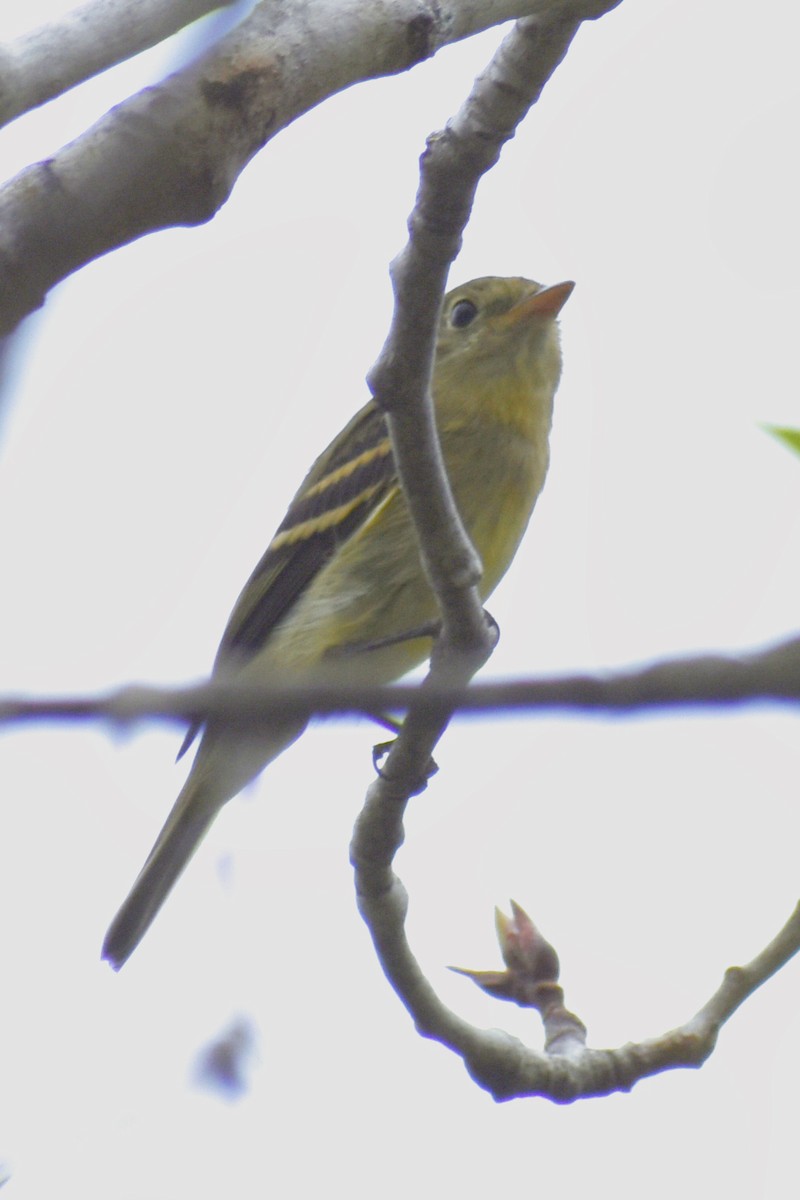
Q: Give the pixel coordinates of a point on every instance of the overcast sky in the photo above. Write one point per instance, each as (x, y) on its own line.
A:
(168, 402)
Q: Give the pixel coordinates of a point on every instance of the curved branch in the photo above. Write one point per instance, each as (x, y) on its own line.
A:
(567, 1069)
(171, 154)
(451, 168)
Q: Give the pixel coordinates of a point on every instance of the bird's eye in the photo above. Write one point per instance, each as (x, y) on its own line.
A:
(463, 313)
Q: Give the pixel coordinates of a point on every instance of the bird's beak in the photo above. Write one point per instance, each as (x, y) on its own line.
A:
(546, 303)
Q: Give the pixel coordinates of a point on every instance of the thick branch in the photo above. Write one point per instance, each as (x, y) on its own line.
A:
(48, 61)
(171, 155)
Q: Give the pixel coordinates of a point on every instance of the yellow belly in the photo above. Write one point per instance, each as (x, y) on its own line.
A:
(374, 587)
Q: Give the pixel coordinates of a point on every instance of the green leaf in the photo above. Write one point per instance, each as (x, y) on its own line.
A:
(789, 437)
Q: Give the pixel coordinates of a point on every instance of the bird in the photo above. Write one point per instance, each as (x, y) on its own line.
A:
(340, 586)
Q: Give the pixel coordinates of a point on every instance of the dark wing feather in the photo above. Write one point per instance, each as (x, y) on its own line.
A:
(282, 576)
(343, 487)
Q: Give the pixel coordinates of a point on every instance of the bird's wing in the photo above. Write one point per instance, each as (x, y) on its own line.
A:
(340, 491)
(344, 486)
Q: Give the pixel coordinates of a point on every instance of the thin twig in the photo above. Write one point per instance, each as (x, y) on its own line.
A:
(501, 1064)
(453, 164)
(765, 676)
(451, 167)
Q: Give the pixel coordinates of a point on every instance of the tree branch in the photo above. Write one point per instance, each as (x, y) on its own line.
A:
(771, 676)
(451, 168)
(171, 155)
(45, 63)
(503, 1065)
(567, 1069)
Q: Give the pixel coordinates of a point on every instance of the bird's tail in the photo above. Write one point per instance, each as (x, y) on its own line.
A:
(222, 767)
(183, 832)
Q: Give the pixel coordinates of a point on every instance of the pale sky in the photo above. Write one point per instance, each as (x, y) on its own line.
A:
(170, 400)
